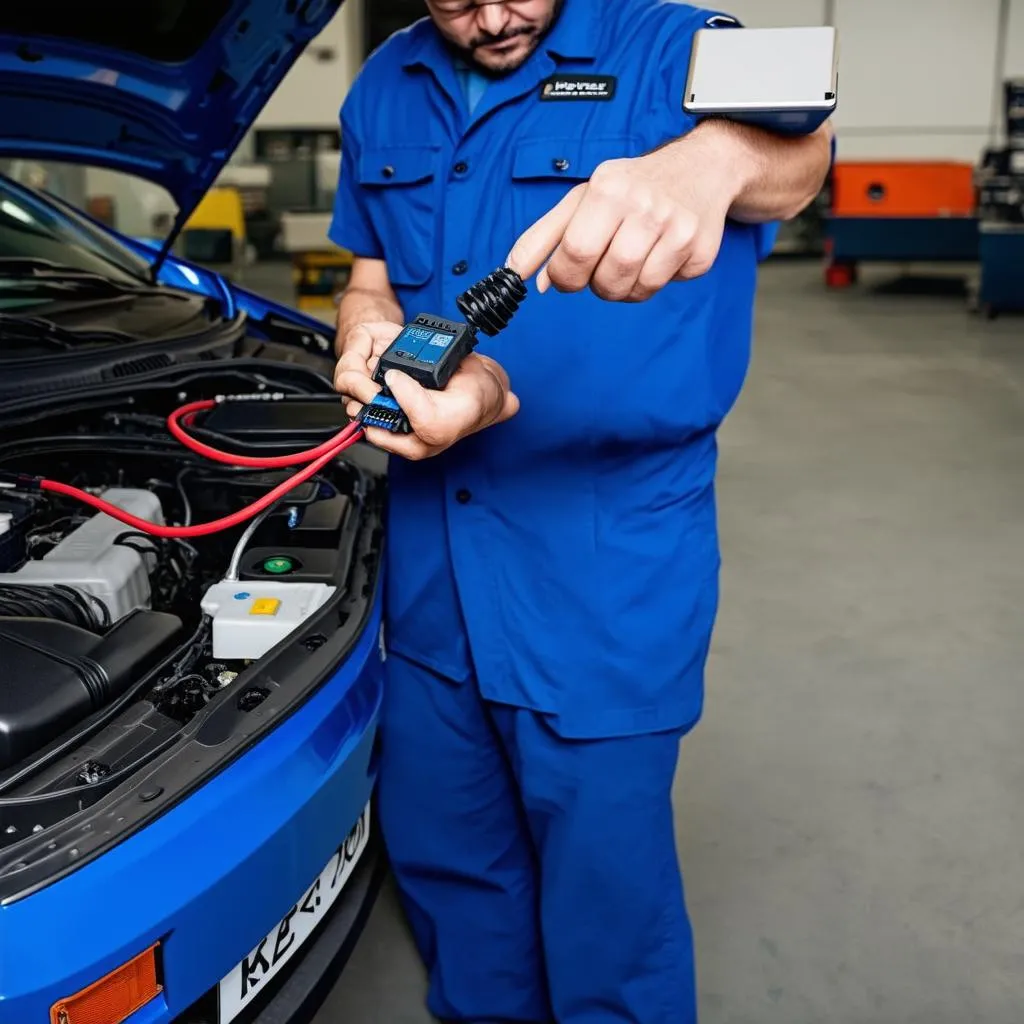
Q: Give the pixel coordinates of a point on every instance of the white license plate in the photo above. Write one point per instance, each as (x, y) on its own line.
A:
(252, 975)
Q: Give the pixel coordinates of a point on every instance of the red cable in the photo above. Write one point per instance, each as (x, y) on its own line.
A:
(176, 427)
(202, 529)
(321, 456)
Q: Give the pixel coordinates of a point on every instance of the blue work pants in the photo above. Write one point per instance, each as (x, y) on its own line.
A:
(539, 875)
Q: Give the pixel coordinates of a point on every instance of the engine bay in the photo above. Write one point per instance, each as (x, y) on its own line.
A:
(114, 640)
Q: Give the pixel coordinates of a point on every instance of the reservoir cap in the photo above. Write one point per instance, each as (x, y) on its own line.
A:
(278, 566)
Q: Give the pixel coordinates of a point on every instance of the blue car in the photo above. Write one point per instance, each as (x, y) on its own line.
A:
(188, 714)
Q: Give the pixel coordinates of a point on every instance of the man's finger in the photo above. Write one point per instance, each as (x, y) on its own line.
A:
(583, 245)
(505, 404)
(405, 446)
(352, 360)
(357, 342)
(364, 340)
(615, 276)
(418, 405)
(494, 368)
(350, 363)
(540, 240)
(383, 334)
(356, 384)
(666, 257)
(509, 409)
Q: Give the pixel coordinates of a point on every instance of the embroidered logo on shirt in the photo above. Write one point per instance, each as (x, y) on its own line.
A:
(578, 87)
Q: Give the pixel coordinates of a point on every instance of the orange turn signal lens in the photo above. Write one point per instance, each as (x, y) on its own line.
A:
(114, 998)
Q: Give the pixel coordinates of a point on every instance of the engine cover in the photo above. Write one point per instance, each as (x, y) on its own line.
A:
(89, 560)
(55, 674)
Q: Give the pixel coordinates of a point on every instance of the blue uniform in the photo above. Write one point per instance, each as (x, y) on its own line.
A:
(552, 581)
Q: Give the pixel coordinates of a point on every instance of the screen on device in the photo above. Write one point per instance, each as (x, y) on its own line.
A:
(424, 344)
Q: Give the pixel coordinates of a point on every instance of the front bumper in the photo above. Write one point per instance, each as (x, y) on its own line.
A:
(209, 878)
(299, 992)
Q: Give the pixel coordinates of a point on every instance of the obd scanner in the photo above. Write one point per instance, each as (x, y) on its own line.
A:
(430, 348)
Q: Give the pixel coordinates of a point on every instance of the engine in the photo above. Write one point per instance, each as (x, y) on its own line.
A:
(92, 612)
(175, 575)
(92, 558)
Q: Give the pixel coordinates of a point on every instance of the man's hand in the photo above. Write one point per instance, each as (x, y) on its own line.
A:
(641, 223)
(477, 396)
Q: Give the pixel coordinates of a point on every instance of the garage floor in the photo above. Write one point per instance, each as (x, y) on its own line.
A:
(851, 810)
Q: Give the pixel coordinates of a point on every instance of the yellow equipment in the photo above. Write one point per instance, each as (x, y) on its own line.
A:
(318, 277)
(215, 234)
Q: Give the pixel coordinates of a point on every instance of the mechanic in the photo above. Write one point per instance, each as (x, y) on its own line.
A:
(552, 554)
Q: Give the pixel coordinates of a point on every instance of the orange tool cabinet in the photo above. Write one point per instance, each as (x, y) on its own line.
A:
(903, 189)
(900, 211)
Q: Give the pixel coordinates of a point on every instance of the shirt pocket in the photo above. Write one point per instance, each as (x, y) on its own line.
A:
(401, 185)
(545, 169)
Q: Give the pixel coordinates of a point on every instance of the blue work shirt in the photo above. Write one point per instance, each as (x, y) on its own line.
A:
(570, 556)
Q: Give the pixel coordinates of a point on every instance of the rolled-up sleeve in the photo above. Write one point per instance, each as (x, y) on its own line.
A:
(351, 227)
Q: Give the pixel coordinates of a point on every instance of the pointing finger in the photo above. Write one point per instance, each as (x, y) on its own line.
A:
(539, 241)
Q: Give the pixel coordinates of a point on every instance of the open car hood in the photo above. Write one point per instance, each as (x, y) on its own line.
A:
(161, 89)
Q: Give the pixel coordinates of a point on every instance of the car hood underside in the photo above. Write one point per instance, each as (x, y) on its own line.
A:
(164, 90)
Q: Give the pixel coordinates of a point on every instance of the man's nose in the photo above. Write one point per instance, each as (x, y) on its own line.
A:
(493, 18)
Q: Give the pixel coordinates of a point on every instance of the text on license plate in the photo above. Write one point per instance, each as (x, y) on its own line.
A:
(249, 978)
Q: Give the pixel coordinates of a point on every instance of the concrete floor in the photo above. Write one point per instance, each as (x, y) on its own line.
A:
(851, 809)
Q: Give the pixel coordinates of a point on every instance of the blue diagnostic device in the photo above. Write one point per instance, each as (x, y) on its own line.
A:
(429, 350)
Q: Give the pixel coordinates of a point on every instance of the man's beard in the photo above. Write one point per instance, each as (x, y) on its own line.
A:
(537, 35)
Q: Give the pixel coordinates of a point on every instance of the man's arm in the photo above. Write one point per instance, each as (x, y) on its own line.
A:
(368, 299)
(641, 223)
(772, 177)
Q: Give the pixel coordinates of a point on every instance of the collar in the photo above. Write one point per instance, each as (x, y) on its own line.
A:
(574, 37)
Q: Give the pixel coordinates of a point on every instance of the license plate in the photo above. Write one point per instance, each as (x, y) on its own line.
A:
(251, 977)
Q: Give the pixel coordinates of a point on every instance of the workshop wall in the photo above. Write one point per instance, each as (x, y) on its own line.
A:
(774, 13)
(917, 80)
(1015, 40)
(311, 94)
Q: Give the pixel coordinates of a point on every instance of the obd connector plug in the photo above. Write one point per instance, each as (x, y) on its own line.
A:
(430, 348)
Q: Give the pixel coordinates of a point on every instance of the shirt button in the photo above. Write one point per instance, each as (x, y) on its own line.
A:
(461, 267)
(461, 167)
(463, 497)
(560, 164)
(388, 172)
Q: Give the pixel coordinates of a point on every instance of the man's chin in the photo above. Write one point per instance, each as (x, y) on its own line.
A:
(503, 60)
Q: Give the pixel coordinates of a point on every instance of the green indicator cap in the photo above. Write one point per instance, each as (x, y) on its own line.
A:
(278, 566)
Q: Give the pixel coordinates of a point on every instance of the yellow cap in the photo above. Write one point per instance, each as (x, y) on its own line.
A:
(265, 606)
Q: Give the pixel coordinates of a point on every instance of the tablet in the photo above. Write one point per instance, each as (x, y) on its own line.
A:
(783, 79)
